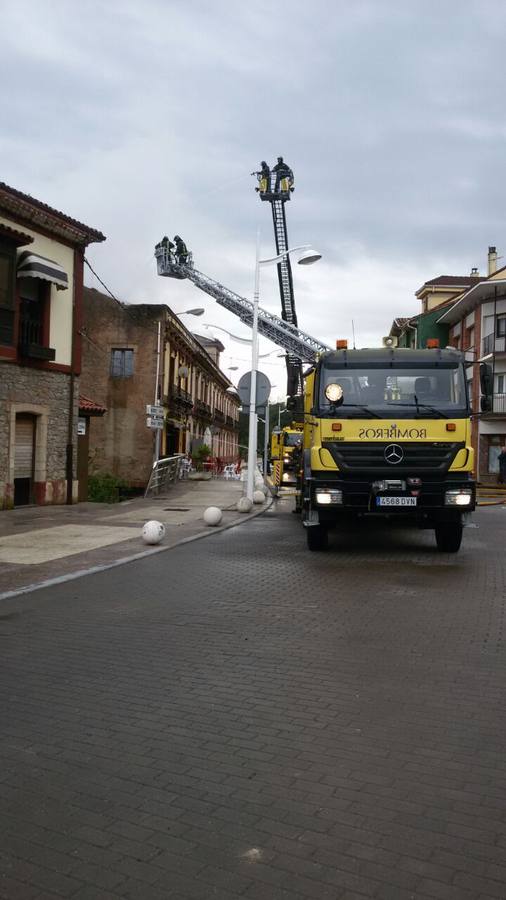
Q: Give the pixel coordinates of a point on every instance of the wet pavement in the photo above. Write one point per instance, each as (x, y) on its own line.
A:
(241, 719)
(40, 543)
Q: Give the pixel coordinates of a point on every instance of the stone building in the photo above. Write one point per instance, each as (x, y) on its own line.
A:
(41, 284)
(120, 366)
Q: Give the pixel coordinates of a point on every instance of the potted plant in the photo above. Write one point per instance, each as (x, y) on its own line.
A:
(199, 458)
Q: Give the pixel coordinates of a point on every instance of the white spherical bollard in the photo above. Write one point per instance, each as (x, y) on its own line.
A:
(258, 497)
(213, 515)
(244, 505)
(153, 532)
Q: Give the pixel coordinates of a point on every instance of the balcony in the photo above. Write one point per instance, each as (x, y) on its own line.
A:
(492, 344)
(31, 342)
(498, 406)
(219, 417)
(180, 398)
(202, 410)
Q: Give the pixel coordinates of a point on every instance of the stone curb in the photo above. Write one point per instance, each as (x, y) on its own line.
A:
(72, 576)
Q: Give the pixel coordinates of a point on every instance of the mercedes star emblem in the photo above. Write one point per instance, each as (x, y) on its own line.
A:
(394, 454)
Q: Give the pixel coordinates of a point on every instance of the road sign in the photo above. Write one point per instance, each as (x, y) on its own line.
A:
(262, 393)
(156, 423)
(155, 411)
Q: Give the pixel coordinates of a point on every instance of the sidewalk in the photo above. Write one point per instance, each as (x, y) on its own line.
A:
(41, 543)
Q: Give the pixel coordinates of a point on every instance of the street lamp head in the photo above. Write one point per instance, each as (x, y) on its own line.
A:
(308, 257)
(198, 311)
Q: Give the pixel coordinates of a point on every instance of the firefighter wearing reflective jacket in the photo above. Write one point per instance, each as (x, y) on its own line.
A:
(264, 178)
(181, 250)
(284, 176)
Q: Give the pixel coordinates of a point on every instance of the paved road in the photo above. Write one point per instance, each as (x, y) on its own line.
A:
(238, 718)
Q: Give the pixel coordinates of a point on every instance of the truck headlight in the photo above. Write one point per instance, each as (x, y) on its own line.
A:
(325, 498)
(458, 497)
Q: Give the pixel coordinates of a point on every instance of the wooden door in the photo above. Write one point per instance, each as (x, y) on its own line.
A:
(24, 460)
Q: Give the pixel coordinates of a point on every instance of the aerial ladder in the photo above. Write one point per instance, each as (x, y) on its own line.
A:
(277, 194)
(296, 343)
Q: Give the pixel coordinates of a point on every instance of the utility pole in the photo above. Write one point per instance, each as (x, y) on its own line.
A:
(157, 387)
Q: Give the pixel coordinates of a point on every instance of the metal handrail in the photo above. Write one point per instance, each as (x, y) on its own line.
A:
(164, 472)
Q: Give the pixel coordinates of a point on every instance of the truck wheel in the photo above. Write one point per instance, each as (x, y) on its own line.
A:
(317, 538)
(449, 538)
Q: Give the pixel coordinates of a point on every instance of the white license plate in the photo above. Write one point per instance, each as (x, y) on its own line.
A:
(396, 501)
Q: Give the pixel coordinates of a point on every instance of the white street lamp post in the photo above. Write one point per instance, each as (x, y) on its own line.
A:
(308, 256)
(266, 437)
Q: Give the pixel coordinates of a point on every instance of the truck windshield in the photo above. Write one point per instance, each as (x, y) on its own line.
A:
(400, 393)
(293, 440)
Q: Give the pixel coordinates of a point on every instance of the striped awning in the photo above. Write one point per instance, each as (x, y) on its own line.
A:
(30, 265)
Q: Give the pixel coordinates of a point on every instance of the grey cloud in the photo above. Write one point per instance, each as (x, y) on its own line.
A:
(140, 119)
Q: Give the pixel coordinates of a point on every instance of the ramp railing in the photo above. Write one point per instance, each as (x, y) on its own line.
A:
(163, 473)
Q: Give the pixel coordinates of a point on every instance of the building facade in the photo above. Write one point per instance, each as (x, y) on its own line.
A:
(136, 354)
(477, 325)
(41, 284)
(468, 313)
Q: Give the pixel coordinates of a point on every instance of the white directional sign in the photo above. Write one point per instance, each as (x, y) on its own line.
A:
(155, 411)
(154, 422)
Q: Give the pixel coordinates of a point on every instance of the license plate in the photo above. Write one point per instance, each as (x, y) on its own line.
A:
(396, 501)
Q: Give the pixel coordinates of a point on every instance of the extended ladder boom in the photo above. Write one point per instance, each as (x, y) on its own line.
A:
(289, 337)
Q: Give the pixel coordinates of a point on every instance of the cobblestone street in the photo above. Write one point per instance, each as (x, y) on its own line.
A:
(240, 718)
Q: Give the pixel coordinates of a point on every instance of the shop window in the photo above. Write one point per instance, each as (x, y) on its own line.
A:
(494, 448)
(122, 363)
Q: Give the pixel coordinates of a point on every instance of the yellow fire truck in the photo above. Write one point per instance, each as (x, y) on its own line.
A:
(387, 434)
(286, 444)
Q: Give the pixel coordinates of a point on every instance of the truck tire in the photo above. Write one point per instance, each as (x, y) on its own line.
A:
(449, 537)
(317, 538)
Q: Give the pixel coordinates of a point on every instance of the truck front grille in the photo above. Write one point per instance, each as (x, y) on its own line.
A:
(362, 456)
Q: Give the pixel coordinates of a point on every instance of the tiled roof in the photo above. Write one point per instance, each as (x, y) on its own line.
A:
(32, 210)
(89, 406)
(455, 280)
(18, 237)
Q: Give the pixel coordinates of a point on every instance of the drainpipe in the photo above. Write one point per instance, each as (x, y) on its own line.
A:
(69, 460)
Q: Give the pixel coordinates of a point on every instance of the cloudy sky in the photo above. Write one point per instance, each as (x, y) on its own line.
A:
(142, 119)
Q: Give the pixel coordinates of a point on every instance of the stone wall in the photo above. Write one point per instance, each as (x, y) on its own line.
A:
(46, 394)
(120, 443)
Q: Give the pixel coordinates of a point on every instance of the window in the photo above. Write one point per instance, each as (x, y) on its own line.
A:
(501, 326)
(494, 448)
(122, 363)
(34, 297)
(500, 384)
(7, 262)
